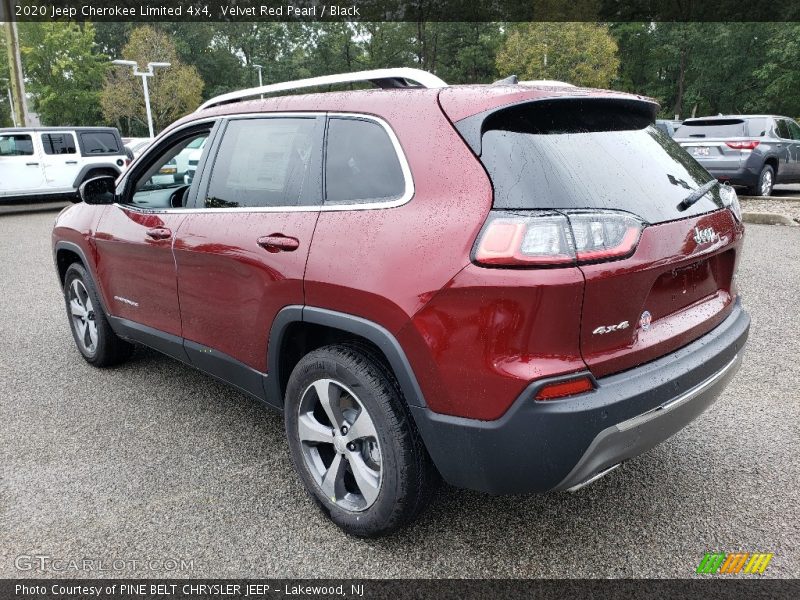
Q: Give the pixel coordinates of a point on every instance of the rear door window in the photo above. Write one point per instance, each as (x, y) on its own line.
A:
(361, 163)
(551, 155)
(268, 162)
(794, 129)
(99, 142)
(58, 143)
(713, 128)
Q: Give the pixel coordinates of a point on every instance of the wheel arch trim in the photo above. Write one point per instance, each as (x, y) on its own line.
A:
(369, 330)
(87, 264)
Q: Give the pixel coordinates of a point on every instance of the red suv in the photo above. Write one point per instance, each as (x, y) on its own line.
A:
(514, 287)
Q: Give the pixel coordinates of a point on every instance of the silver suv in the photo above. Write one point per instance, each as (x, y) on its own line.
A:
(755, 151)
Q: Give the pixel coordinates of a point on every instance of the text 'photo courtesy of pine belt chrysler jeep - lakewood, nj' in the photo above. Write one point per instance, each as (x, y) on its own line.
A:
(513, 288)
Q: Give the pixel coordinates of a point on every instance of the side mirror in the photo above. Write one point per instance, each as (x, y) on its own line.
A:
(98, 190)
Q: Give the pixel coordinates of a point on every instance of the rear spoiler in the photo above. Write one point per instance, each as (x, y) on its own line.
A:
(472, 128)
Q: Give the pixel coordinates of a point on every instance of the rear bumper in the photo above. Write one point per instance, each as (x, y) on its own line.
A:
(746, 175)
(557, 445)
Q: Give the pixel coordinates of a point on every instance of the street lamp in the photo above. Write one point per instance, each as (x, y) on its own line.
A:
(151, 66)
(260, 83)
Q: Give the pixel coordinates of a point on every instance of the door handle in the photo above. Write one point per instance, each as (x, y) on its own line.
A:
(277, 242)
(71, 162)
(31, 164)
(159, 233)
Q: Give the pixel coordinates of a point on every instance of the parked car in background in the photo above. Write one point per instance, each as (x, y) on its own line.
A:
(754, 151)
(513, 287)
(137, 145)
(52, 161)
(667, 126)
(194, 158)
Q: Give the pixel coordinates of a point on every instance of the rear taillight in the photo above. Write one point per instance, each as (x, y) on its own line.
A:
(554, 238)
(743, 145)
(562, 389)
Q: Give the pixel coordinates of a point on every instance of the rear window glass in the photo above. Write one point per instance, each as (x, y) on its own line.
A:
(723, 128)
(551, 155)
(99, 142)
(782, 128)
(361, 164)
(58, 143)
(16, 145)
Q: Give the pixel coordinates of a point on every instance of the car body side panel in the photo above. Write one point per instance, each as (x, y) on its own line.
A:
(231, 288)
(490, 332)
(385, 264)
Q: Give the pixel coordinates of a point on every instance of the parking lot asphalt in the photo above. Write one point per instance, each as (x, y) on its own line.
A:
(155, 461)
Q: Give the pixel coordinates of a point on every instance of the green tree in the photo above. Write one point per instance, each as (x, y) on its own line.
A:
(174, 91)
(5, 108)
(64, 72)
(579, 53)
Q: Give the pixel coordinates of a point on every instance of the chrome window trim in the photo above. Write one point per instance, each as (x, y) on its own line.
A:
(406, 197)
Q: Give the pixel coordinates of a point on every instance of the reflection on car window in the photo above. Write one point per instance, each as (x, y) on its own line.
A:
(361, 164)
(58, 143)
(794, 129)
(263, 162)
(99, 142)
(165, 182)
(16, 145)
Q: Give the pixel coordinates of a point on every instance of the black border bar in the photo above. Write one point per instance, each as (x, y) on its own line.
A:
(405, 10)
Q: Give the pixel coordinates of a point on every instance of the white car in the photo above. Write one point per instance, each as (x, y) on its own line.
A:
(137, 145)
(54, 161)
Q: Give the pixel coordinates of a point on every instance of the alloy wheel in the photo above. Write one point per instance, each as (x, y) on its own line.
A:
(83, 316)
(766, 183)
(340, 445)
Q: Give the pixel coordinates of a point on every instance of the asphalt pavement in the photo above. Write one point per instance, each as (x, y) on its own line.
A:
(153, 461)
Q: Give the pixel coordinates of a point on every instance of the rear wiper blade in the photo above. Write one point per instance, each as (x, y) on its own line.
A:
(697, 194)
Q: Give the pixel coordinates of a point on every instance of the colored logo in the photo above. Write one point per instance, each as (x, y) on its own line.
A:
(734, 562)
(645, 320)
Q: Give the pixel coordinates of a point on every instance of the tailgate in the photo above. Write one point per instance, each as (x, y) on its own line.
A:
(674, 289)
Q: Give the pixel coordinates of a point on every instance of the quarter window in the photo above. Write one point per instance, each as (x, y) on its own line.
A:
(361, 164)
(99, 142)
(16, 145)
(58, 143)
(794, 129)
(265, 162)
(782, 129)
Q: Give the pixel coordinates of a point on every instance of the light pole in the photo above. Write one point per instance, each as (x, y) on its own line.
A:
(151, 66)
(260, 83)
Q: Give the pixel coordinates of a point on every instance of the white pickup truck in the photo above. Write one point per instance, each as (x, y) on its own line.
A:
(54, 161)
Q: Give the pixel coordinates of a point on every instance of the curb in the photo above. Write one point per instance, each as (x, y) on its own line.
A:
(767, 218)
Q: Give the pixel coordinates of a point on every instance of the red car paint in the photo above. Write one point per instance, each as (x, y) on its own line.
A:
(475, 337)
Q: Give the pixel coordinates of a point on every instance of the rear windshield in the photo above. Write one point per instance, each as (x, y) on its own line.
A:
(557, 155)
(723, 128)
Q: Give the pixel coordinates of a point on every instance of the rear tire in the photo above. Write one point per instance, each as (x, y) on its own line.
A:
(96, 341)
(766, 182)
(369, 471)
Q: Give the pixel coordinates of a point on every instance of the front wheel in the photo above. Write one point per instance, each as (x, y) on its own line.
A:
(93, 335)
(353, 442)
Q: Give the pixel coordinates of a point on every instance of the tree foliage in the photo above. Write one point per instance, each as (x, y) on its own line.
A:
(174, 91)
(62, 69)
(584, 54)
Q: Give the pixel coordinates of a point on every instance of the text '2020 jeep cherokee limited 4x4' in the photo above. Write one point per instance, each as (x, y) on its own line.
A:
(513, 287)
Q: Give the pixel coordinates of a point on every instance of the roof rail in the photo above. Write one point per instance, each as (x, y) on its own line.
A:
(547, 82)
(384, 78)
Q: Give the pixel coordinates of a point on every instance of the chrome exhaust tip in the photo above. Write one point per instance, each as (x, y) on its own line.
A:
(593, 478)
